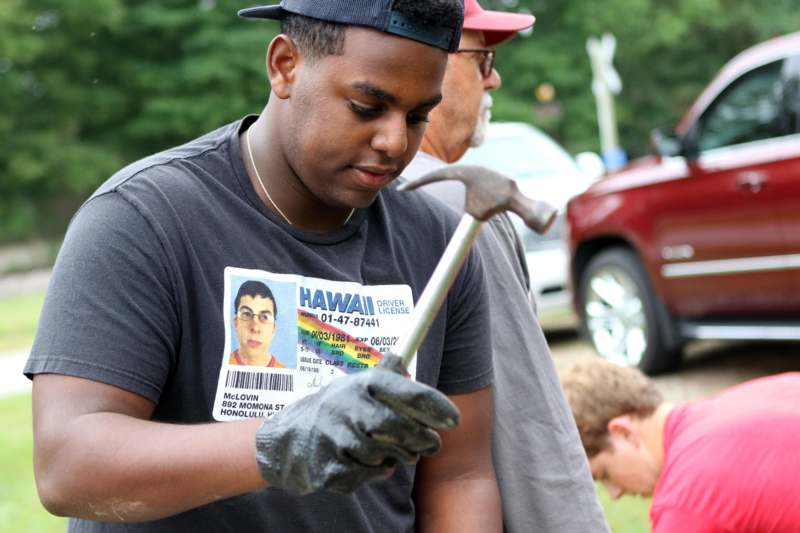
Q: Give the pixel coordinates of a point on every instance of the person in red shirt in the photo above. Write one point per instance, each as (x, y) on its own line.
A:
(722, 464)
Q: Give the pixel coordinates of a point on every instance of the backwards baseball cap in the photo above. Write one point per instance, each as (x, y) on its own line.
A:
(375, 14)
(497, 26)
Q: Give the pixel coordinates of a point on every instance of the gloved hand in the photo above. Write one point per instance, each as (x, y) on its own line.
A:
(353, 430)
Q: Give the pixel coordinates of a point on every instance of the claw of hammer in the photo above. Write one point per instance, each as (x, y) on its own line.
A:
(488, 193)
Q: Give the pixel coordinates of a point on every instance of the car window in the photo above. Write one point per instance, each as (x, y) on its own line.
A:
(748, 110)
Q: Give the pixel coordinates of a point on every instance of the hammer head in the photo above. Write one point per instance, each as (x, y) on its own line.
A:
(488, 193)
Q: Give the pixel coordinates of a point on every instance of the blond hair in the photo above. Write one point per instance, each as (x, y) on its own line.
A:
(598, 391)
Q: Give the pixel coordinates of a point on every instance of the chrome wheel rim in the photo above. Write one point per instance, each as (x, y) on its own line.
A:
(615, 317)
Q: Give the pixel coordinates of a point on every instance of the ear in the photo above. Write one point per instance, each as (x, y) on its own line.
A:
(283, 59)
(623, 427)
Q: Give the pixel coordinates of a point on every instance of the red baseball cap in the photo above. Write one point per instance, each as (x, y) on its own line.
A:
(497, 26)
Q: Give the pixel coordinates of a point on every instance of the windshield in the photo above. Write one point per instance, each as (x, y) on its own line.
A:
(524, 155)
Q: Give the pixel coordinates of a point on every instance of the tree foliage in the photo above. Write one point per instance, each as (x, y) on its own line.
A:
(87, 86)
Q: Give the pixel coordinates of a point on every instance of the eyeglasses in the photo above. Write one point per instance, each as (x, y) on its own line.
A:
(265, 317)
(486, 61)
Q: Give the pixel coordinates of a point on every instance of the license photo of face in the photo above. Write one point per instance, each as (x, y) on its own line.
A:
(263, 324)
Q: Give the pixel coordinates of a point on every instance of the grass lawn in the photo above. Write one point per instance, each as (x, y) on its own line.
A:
(18, 318)
(626, 515)
(20, 510)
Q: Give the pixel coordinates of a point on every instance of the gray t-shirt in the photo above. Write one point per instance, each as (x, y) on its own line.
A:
(141, 298)
(543, 475)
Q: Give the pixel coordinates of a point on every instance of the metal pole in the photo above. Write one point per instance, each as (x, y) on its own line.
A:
(605, 84)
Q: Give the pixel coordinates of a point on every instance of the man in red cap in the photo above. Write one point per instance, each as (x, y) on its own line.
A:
(460, 120)
(544, 480)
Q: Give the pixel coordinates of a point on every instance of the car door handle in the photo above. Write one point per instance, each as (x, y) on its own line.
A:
(751, 181)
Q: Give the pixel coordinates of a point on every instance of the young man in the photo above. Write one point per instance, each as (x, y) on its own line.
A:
(542, 474)
(254, 322)
(131, 366)
(727, 463)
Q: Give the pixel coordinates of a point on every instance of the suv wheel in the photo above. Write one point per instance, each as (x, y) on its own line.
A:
(621, 315)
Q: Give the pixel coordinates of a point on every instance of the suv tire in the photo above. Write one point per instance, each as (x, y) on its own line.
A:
(621, 315)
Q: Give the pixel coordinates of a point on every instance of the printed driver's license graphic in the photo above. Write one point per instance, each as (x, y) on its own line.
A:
(286, 336)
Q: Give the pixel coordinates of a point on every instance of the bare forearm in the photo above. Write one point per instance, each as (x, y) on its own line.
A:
(465, 505)
(113, 467)
(456, 490)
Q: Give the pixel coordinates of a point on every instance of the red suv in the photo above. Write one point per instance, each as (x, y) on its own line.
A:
(702, 239)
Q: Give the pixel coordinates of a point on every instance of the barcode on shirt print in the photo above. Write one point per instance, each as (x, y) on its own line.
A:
(260, 381)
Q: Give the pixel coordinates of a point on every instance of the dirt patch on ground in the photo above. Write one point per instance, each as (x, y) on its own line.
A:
(708, 366)
(23, 282)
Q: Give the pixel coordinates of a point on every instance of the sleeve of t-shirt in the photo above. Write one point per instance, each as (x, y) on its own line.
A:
(467, 357)
(109, 314)
(670, 520)
(506, 228)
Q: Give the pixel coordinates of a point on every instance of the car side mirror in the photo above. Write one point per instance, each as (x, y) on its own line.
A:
(689, 145)
(665, 142)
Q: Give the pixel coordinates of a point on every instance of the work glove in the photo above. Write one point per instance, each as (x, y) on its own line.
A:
(353, 430)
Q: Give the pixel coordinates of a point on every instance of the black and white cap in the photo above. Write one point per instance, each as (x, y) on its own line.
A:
(376, 14)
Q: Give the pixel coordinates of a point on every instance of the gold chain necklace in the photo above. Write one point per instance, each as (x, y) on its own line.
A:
(266, 193)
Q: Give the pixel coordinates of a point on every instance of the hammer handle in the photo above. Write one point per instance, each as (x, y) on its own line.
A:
(435, 291)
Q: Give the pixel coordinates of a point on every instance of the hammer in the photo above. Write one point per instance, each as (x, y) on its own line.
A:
(487, 193)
